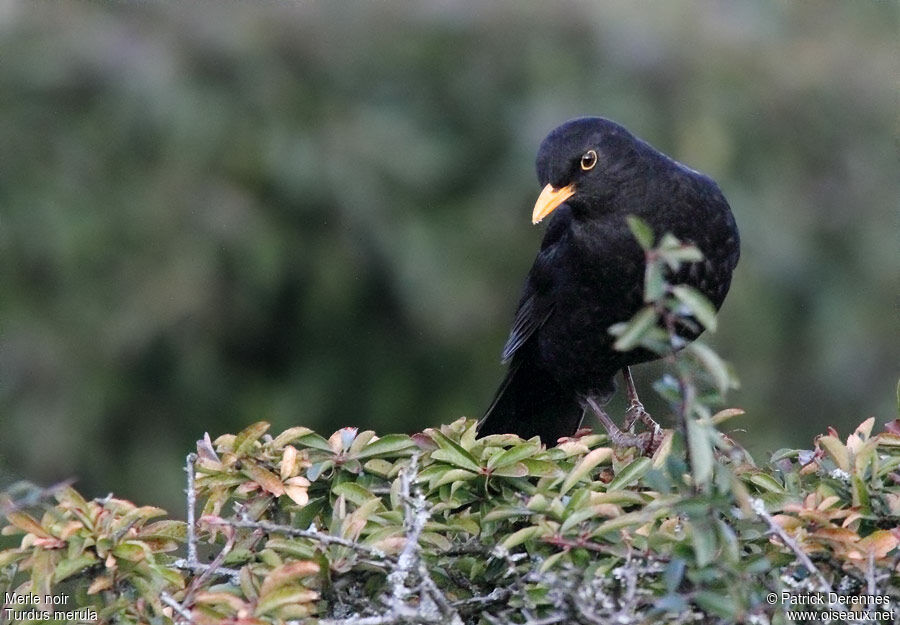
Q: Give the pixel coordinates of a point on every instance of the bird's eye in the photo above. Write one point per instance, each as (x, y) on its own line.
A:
(588, 160)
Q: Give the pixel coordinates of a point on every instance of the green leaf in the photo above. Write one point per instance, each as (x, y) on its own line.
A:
(714, 365)
(583, 468)
(541, 468)
(766, 482)
(654, 282)
(860, 495)
(379, 467)
(164, 530)
(837, 450)
(504, 512)
(390, 444)
(314, 441)
(703, 539)
(700, 446)
(69, 566)
(284, 596)
(673, 574)
(579, 516)
(512, 470)
(131, 550)
(517, 538)
(513, 455)
(729, 543)
(701, 308)
(452, 453)
(631, 333)
(718, 603)
(289, 436)
(353, 492)
(631, 473)
(245, 440)
(452, 475)
(641, 231)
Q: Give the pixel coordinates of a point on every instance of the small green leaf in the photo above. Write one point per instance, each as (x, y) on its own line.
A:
(541, 468)
(352, 492)
(630, 474)
(730, 546)
(701, 308)
(379, 467)
(452, 453)
(69, 566)
(837, 450)
(517, 538)
(164, 530)
(583, 468)
(289, 436)
(131, 550)
(284, 596)
(504, 512)
(654, 282)
(714, 365)
(453, 475)
(630, 335)
(511, 470)
(673, 574)
(766, 482)
(641, 231)
(703, 539)
(245, 440)
(388, 445)
(718, 603)
(579, 516)
(860, 495)
(513, 455)
(700, 446)
(313, 440)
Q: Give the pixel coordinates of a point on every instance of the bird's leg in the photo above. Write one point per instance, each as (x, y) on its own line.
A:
(636, 410)
(644, 441)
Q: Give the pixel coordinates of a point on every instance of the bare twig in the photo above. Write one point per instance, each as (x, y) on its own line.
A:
(759, 507)
(214, 568)
(313, 534)
(183, 612)
(191, 509)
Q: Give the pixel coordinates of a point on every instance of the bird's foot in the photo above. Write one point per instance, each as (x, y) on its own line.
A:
(646, 442)
(637, 413)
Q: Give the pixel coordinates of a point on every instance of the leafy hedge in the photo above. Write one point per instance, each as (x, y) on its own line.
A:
(444, 527)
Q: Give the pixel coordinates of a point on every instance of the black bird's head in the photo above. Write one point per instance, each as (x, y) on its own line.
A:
(581, 161)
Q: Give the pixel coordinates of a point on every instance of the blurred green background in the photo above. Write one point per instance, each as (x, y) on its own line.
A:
(319, 213)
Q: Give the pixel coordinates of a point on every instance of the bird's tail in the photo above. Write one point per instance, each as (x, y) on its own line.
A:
(531, 402)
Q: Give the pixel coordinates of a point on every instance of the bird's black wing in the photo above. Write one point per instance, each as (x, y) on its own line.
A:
(535, 306)
(529, 317)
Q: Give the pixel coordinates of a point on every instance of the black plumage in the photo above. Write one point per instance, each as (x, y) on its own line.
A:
(589, 272)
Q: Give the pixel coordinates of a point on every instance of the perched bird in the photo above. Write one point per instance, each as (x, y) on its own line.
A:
(589, 273)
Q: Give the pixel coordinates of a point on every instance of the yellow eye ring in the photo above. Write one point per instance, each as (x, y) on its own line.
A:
(588, 160)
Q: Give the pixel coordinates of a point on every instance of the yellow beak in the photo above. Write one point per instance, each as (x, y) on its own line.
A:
(549, 199)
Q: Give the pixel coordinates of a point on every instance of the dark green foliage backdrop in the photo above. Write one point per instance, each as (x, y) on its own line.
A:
(318, 213)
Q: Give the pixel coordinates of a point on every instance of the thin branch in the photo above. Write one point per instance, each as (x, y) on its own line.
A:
(760, 508)
(312, 534)
(183, 612)
(191, 509)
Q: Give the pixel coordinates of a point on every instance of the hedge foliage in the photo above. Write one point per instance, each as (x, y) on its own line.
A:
(446, 527)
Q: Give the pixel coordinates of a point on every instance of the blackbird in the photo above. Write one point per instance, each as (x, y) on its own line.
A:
(589, 273)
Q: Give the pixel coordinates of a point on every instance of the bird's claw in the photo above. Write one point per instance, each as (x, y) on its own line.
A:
(646, 442)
